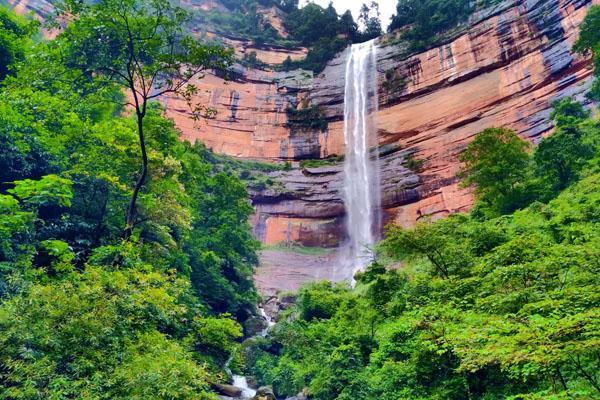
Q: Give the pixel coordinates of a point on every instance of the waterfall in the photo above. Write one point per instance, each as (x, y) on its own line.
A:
(361, 178)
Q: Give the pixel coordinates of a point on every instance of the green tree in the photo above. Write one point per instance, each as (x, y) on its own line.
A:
(221, 248)
(589, 42)
(347, 25)
(428, 18)
(312, 22)
(144, 47)
(560, 158)
(497, 165)
(370, 18)
(14, 34)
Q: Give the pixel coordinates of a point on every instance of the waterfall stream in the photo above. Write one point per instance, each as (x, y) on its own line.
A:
(361, 178)
(361, 187)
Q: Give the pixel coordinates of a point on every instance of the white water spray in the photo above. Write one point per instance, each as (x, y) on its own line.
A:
(361, 178)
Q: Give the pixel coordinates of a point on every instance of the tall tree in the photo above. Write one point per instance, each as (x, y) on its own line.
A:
(560, 157)
(589, 42)
(496, 164)
(14, 32)
(347, 25)
(144, 47)
(370, 19)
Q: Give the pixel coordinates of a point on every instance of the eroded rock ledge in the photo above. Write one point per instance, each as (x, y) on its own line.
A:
(503, 68)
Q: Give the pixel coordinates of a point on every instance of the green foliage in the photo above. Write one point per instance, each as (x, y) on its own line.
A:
(252, 61)
(369, 18)
(394, 83)
(507, 178)
(497, 163)
(321, 162)
(321, 53)
(412, 163)
(14, 34)
(51, 189)
(83, 312)
(142, 47)
(319, 301)
(425, 21)
(291, 247)
(589, 42)
(243, 21)
(495, 309)
(312, 23)
(310, 117)
(327, 34)
(561, 157)
(222, 250)
(254, 174)
(104, 334)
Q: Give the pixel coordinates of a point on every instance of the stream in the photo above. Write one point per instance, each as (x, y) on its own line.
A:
(241, 382)
(361, 177)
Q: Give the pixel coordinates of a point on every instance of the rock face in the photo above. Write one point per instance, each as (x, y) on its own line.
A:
(504, 67)
(227, 390)
(264, 393)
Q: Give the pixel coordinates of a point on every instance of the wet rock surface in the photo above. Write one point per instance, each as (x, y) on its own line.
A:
(227, 390)
(264, 393)
(503, 67)
(287, 271)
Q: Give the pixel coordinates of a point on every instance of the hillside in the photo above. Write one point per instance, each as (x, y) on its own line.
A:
(251, 200)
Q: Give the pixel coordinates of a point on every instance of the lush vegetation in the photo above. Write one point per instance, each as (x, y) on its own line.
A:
(589, 42)
(244, 19)
(15, 32)
(326, 33)
(424, 21)
(102, 297)
(502, 308)
(311, 117)
(320, 29)
(501, 303)
(507, 176)
(126, 257)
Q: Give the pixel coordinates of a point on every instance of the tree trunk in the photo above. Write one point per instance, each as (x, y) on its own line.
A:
(131, 210)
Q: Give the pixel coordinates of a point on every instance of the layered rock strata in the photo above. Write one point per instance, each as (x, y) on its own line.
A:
(504, 67)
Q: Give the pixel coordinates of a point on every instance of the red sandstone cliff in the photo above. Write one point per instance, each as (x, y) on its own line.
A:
(503, 68)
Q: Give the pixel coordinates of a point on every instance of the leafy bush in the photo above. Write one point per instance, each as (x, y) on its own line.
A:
(497, 165)
(308, 117)
(15, 32)
(424, 21)
(84, 312)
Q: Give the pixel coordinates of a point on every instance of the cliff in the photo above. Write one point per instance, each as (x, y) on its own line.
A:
(503, 68)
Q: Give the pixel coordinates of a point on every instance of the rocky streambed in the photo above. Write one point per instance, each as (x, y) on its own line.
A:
(246, 387)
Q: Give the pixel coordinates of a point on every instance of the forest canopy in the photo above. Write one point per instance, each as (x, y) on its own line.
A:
(126, 253)
(499, 303)
(87, 311)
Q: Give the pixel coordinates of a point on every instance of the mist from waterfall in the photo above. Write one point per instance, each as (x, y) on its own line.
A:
(361, 178)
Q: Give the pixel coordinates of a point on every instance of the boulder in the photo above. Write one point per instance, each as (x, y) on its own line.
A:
(227, 390)
(264, 393)
(299, 396)
(254, 326)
